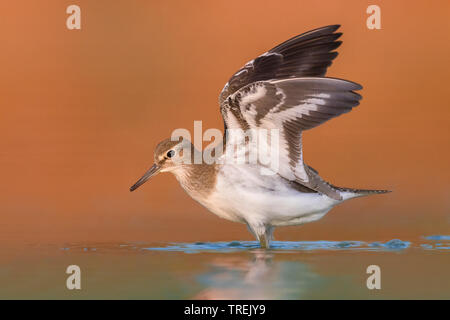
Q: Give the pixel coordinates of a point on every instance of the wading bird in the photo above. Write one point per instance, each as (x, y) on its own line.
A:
(283, 89)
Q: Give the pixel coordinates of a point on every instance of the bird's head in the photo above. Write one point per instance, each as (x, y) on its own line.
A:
(169, 156)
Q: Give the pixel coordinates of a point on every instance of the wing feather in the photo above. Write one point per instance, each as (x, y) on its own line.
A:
(306, 55)
(292, 106)
(285, 89)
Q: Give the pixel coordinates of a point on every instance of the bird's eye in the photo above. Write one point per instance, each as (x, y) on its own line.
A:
(170, 153)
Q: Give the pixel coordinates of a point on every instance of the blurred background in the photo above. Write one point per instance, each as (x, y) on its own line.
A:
(82, 110)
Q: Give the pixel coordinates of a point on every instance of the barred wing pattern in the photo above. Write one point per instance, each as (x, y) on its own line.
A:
(285, 89)
(291, 105)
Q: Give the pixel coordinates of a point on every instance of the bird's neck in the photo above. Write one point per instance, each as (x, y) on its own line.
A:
(197, 179)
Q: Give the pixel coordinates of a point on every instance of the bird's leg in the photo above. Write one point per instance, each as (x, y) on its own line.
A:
(264, 242)
(269, 232)
(263, 234)
(266, 237)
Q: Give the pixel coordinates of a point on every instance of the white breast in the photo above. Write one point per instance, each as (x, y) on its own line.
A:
(242, 194)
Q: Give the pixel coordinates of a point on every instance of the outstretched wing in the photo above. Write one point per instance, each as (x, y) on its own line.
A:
(306, 55)
(291, 105)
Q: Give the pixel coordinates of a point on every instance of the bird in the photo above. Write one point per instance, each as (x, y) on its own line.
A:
(284, 89)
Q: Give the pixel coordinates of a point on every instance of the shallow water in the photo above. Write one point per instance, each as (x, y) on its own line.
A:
(411, 269)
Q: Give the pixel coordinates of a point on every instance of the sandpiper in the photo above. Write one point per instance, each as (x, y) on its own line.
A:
(285, 89)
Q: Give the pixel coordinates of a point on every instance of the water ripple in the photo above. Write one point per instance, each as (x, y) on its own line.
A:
(394, 244)
(433, 242)
(437, 237)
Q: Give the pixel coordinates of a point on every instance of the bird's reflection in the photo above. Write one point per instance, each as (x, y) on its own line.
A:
(262, 276)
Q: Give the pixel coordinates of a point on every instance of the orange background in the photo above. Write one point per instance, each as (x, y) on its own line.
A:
(82, 110)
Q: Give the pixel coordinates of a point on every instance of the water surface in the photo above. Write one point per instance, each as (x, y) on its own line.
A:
(411, 269)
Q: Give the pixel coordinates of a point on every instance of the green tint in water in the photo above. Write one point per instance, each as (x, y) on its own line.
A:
(231, 270)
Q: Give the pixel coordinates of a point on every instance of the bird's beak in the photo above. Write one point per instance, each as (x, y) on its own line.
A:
(150, 173)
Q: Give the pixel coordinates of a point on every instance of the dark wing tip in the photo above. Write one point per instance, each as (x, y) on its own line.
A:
(329, 28)
(308, 35)
(346, 84)
(355, 86)
(333, 27)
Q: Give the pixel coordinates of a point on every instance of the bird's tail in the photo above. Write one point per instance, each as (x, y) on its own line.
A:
(349, 193)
